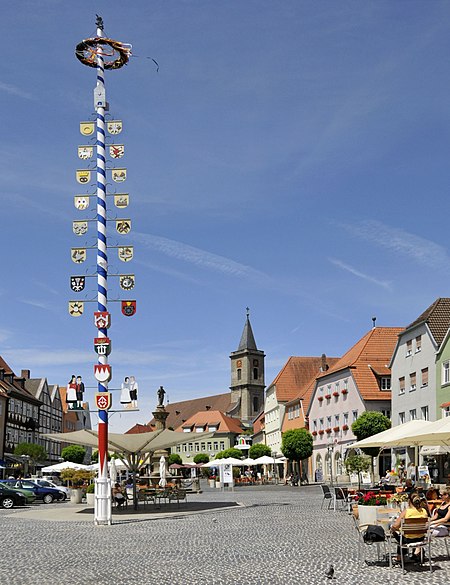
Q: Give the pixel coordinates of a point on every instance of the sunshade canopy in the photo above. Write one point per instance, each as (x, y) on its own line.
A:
(64, 465)
(398, 436)
(130, 443)
(264, 460)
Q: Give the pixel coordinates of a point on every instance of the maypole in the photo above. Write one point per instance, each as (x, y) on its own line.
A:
(91, 52)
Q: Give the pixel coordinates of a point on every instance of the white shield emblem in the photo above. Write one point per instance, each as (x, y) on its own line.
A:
(76, 308)
(125, 253)
(121, 200)
(80, 227)
(116, 150)
(119, 175)
(81, 202)
(114, 126)
(102, 372)
(87, 128)
(102, 345)
(83, 176)
(78, 255)
(123, 226)
(77, 283)
(85, 152)
(126, 281)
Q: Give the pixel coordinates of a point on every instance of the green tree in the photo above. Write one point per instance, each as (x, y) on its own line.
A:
(297, 445)
(36, 453)
(201, 458)
(232, 452)
(368, 424)
(357, 464)
(174, 458)
(74, 453)
(259, 450)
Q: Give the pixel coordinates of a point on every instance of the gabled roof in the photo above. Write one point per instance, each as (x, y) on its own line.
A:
(180, 412)
(35, 386)
(296, 375)
(437, 317)
(138, 428)
(16, 387)
(206, 418)
(369, 355)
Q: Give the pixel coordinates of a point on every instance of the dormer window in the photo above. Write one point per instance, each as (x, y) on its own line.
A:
(385, 383)
(212, 428)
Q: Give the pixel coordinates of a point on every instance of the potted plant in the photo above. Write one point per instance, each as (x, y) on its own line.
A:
(320, 398)
(345, 427)
(336, 429)
(328, 431)
(90, 495)
(328, 396)
(367, 506)
(344, 391)
(321, 432)
(212, 481)
(76, 478)
(335, 394)
(314, 433)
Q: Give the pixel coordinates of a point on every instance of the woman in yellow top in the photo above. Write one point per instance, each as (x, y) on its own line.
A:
(417, 508)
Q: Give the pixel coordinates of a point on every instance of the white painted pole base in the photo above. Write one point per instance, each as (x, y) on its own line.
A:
(103, 503)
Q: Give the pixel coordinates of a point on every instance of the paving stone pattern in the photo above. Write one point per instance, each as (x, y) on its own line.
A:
(280, 536)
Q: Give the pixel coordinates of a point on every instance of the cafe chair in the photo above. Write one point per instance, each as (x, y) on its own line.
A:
(327, 495)
(413, 526)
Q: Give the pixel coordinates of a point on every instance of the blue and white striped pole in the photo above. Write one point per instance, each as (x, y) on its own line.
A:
(103, 487)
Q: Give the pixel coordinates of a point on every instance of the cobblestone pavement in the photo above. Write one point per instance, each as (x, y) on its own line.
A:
(278, 536)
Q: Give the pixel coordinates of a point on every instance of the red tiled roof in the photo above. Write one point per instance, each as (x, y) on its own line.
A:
(369, 355)
(259, 423)
(224, 424)
(138, 428)
(296, 376)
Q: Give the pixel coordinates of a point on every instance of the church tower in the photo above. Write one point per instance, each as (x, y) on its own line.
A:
(247, 377)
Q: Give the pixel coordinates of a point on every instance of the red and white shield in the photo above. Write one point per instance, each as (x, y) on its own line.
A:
(102, 319)
(102, 373)
(103, 400)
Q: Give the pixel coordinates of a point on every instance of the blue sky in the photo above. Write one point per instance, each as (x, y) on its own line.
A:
(290, 156)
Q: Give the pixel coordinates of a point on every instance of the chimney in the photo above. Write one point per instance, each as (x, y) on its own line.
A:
(324, 365)
(25, 374)
(374, 321)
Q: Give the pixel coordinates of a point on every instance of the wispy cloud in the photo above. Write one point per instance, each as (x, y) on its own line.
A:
(199, 257)
(14, 90)
(46, 287)
(383, 283)
(401, 242)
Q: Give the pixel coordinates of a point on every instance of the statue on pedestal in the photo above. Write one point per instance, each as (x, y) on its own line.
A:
(161, 392)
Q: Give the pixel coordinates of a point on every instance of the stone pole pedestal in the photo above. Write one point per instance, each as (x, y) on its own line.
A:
(160, 415)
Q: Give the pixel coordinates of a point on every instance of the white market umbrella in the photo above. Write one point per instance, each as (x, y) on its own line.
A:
(432, 450)
(265, 460)
(248, 461)
(435, 433)
(162, 472)
(399, 436)
(64, 465)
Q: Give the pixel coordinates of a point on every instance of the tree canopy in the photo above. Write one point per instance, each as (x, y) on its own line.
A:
(35, 452)
(232, 452)
(297, 444)
(259, 450)
(74, 453)
(368, 424)
(174, 458)
(201, 458)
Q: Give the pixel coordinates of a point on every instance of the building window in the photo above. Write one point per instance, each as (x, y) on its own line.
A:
(446, 411)
(386, 412)
(409, 348)
(336, 420)
(314, 425)
(401, 382)
(412, 382)
(345, 418)
(215, 446)
(424, 413)
(424, 377)
(418, 343)
(401, 417)
(321, 424)
(336, 387)
(255, 373)
(328, 422)
(354, 415)
(445, 372)
(239, 373)
(222, 445)
(386, 383)
(412, 414)
(255, 404)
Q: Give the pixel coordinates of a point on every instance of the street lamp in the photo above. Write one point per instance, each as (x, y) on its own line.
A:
(330, 449)
(25, 463)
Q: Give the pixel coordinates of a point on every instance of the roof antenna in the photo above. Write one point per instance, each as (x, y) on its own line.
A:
(374, 320)
(248, 312)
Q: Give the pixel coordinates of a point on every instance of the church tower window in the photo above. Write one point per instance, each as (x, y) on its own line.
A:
(239, 374)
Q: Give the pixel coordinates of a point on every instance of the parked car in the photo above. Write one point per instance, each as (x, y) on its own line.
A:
(29, 494)
(48, 483)
(10, 498)
(46, 494)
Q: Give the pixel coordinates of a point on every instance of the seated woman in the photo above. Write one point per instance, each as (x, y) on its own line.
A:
(118, 496)
(416, 509)
(441, 516)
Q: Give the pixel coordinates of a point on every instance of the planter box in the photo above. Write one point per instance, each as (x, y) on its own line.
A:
(320, 398)
(90, 500)
(218, 485)
(76, 495)
(336, 429)
(336, 394)
(368, 514)
(328, 396)
(345, 428)
(212, 483)
(321, 432)
(328, 431)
